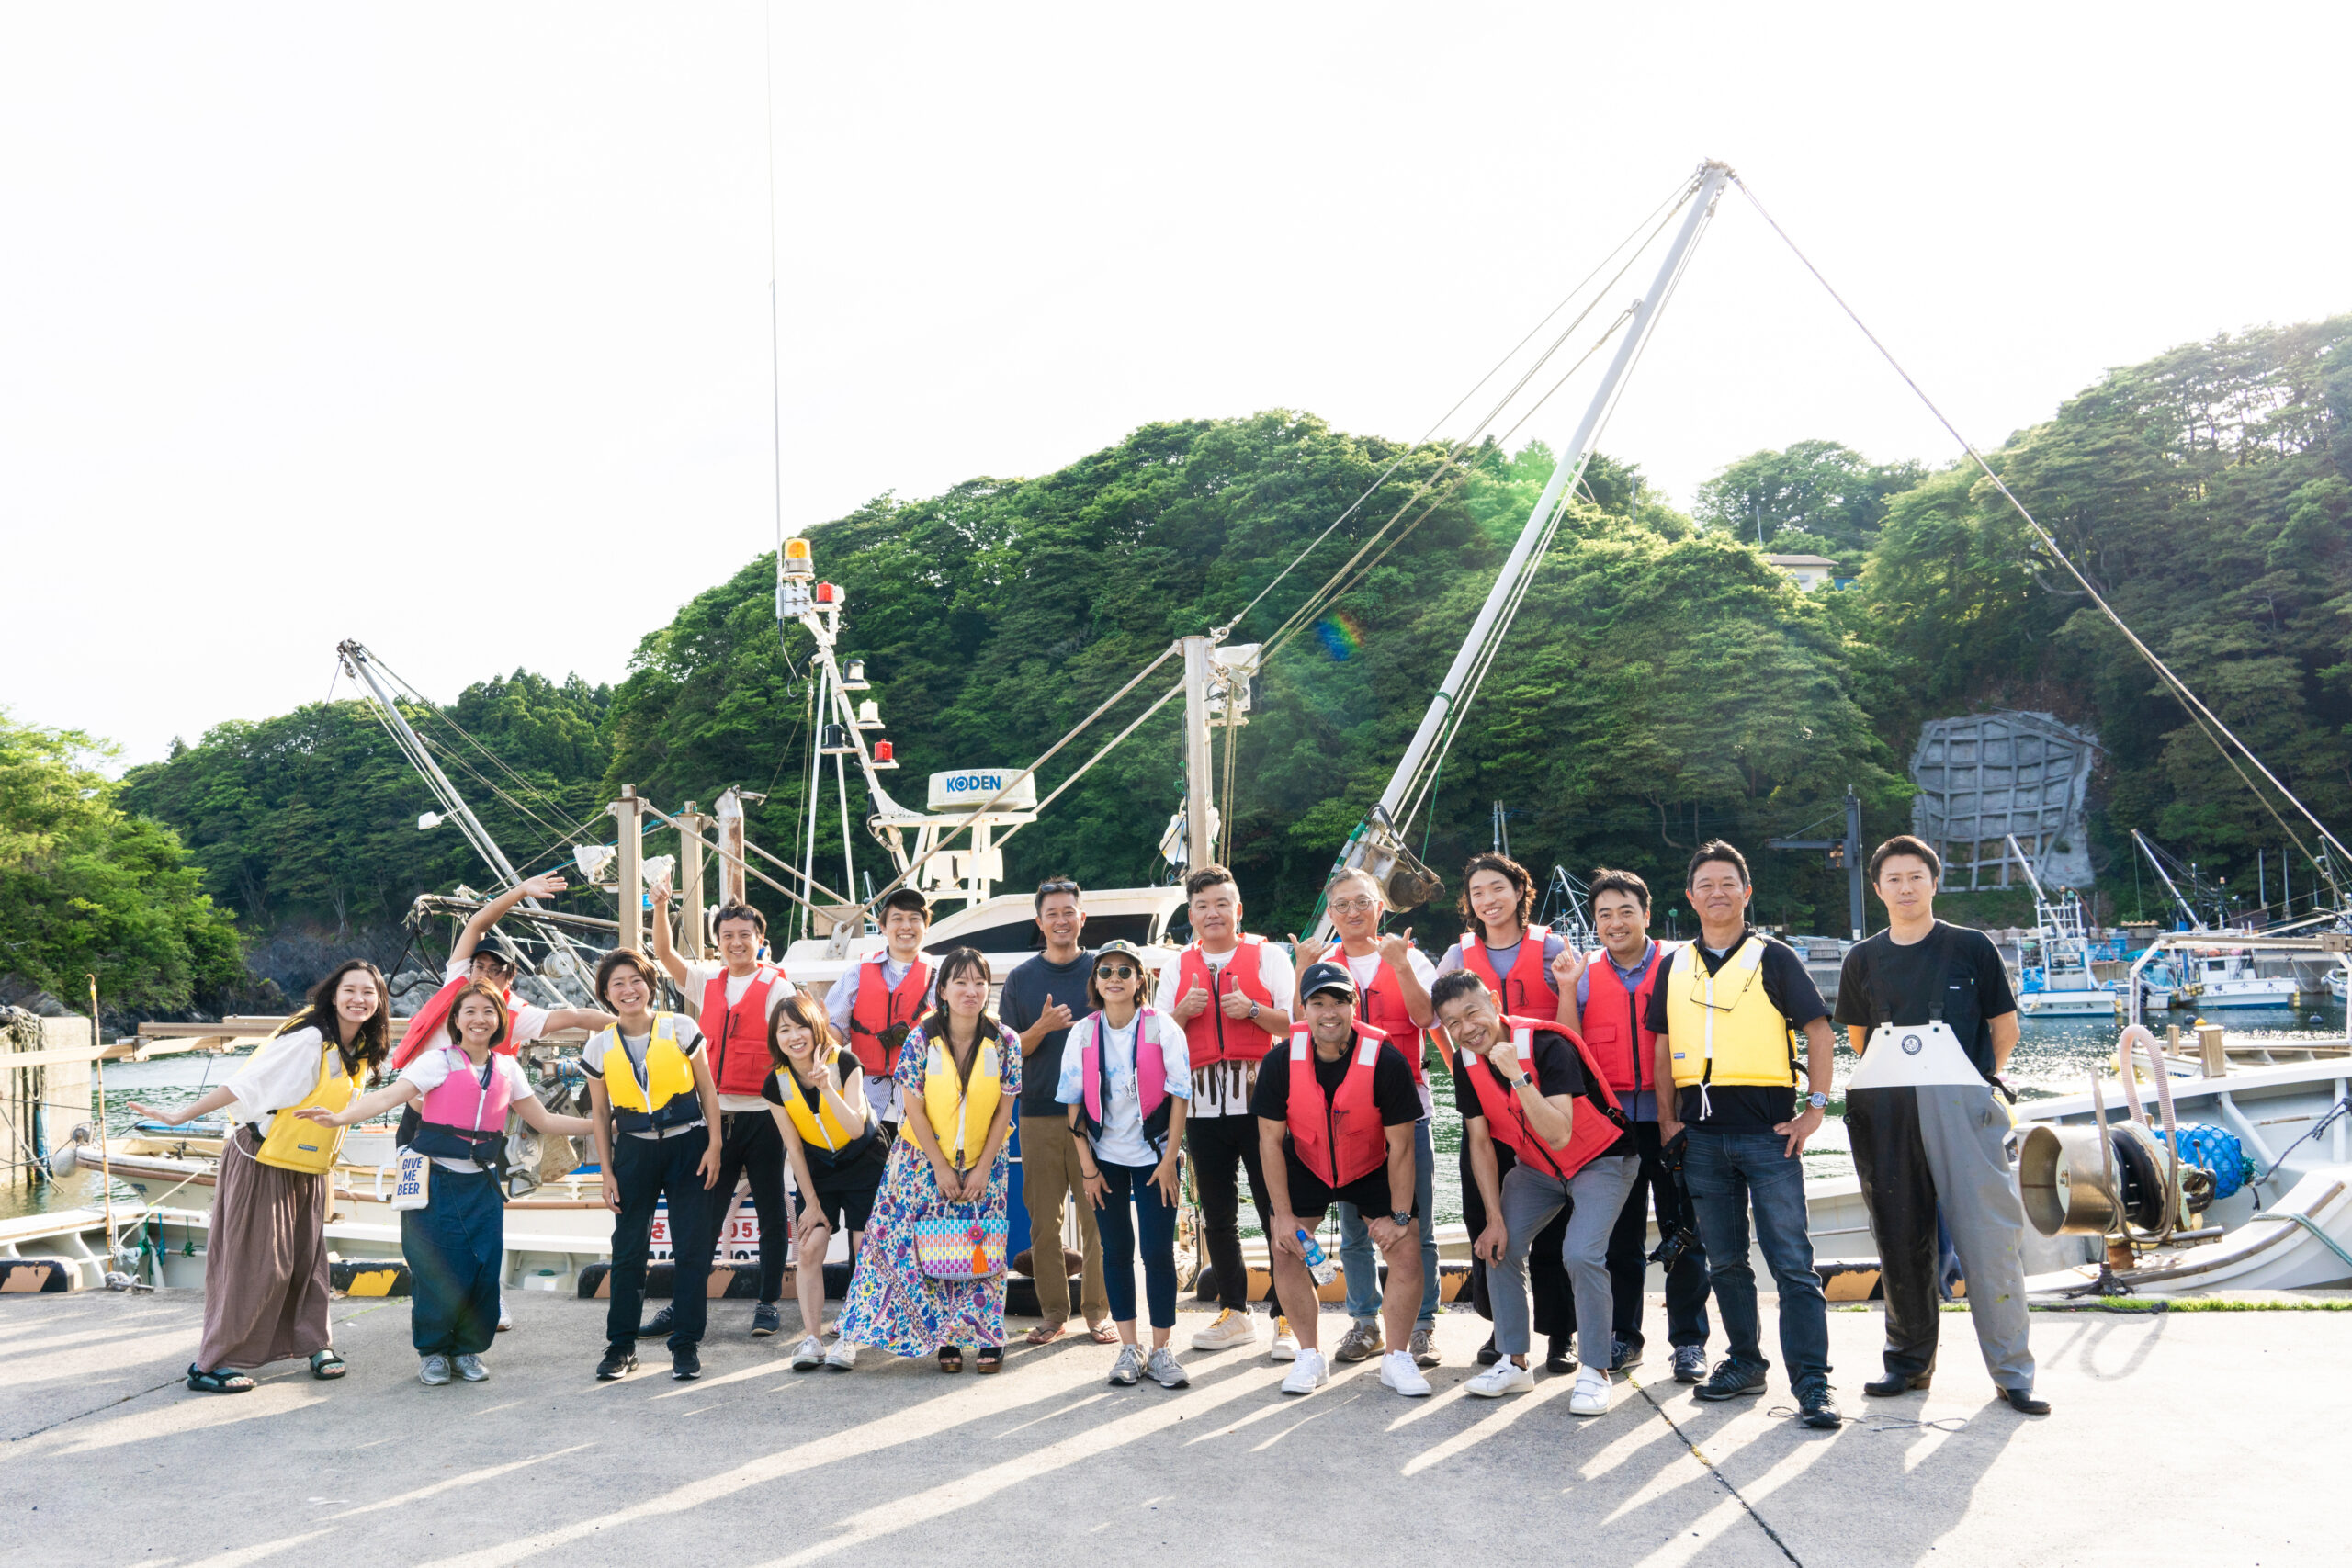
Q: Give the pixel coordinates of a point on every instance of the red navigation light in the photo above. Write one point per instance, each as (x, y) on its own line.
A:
(828, 595)
(882, 751)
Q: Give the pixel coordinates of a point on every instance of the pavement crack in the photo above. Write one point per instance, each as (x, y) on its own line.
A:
(1714, 1470)
(96, 1409)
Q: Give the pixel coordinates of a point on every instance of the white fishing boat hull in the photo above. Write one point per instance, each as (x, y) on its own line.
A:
(2067, 1004)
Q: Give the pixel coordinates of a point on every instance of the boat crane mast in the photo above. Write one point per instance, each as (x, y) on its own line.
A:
(2187, 912)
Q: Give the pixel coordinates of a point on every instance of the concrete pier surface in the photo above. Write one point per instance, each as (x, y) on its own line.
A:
(2179, 1438)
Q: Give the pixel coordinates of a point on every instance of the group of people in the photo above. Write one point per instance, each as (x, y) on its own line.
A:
(1596, 1090)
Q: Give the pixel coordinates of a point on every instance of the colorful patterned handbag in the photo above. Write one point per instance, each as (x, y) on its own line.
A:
(951, 1248)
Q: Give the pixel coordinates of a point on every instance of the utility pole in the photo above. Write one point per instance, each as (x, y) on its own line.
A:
(1199, 843)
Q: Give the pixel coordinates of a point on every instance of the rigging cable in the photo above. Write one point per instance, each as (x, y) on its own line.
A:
(2206, 718)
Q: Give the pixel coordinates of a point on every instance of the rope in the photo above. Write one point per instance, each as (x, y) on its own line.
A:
(2189, 700)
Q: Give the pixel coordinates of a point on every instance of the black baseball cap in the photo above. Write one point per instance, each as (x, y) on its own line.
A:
(1326, 977)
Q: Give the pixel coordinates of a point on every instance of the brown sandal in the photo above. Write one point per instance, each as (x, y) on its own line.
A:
(990, 1359)
(951, 1358)
(1045, 1333)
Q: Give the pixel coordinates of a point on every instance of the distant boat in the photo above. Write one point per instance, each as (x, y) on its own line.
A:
(2227, 978)
(2054, 977)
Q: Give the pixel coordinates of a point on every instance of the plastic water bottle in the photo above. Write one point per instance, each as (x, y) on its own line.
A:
(1318, 1264)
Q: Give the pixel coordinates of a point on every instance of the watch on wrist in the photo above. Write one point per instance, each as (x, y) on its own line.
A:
(1819, 1100)
(1401, 1217)
(1525, 1081)
(1253, 1010)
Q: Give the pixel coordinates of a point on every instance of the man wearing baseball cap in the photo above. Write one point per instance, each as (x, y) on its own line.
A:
(1335, 1125)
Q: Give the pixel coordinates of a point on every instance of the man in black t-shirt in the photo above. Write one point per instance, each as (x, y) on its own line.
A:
(1335, 1109)
(1928, 1007)
(1041, 997)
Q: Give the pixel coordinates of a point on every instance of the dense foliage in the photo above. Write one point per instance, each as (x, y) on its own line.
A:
(1663, 684)
(87, 888)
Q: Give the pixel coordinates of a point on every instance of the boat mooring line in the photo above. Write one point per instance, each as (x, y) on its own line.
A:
(1724, 1480)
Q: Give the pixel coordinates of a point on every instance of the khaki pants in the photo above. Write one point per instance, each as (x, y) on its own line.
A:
(1049, 1173)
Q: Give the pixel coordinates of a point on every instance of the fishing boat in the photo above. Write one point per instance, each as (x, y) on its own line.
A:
(2055, 969)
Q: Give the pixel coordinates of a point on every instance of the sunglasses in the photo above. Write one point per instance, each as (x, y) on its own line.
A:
(1114, 972)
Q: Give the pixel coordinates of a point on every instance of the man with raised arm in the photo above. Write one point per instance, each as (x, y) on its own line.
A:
(1929, 1010)
(470, 958)
(873, 1006)
(1606, 1009)
(732, 1001)
(1727, 1012)
(1230, 992)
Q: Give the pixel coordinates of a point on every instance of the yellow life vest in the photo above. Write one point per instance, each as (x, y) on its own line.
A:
(1722, 1028)
(294, 1143)
(819, 1128)
(960, 1117)
(667, 1097)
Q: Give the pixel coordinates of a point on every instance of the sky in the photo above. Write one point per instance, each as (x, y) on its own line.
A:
(447, 328)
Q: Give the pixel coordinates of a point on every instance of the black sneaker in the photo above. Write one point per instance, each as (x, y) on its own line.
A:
(1690, 1363)
(1730, 1380)
(1487, 1354)
(685, 1363)
(766, 1320)
(1562, 1358)
(618, 1362)
(660, 1325)
(1816, 1409)
(1627, 1355)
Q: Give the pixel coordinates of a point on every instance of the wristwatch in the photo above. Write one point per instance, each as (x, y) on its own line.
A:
(1399, 1217)
(1524, 1080)
(1253, 1010)
(1817, 1100)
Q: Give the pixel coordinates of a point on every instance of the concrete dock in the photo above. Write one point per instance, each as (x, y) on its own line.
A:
(2215, 1438)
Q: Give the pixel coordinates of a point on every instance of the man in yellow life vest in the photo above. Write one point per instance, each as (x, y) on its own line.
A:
(1726, 1013)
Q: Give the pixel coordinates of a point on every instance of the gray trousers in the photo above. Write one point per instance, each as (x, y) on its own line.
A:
(1942, 1147)
(1529, 1200)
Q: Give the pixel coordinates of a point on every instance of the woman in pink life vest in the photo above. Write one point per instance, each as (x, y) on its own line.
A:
(457, 1092)
(1126, 1076)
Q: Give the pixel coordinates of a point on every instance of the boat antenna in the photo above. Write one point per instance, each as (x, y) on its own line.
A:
(776, 352)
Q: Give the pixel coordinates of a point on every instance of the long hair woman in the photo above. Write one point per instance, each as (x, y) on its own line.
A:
(960, 1076)
(833, 1142)
(266, 1279)
(459, 1090)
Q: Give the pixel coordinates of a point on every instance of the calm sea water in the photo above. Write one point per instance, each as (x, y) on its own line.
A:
(2050, 1059)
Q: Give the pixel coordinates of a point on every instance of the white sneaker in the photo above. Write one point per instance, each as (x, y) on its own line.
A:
(1398, 1372)
(470, 1368)
(1505, 1376)
(1285, 1345)
(505, 1318)
(841, 1356)
(432, 1371)
(1308, 1375)
(1229, 1329)
(1590, 1396)
(808, 1356)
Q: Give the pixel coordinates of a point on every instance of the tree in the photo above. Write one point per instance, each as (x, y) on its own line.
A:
(1820, 488)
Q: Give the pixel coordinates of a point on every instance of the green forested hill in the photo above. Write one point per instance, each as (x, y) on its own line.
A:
(1663, 684)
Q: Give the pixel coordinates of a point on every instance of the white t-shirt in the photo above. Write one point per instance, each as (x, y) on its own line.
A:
(881, 1089)
(1219, 1089)
(529, 1022)
(432, 1068)
(698, 980)
(1121, 1142)
(1367, 969)
(591, 1062)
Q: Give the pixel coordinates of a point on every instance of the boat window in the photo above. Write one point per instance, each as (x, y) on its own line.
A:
(1022, 935)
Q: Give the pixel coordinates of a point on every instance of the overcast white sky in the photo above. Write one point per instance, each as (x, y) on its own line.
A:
(447, 327)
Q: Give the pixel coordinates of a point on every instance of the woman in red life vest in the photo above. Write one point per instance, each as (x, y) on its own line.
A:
(1126, 1076)
(817, 1096)
(458, 1093)
(1523, 968)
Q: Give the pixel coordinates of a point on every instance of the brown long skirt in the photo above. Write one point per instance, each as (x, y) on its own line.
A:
(266, 1279)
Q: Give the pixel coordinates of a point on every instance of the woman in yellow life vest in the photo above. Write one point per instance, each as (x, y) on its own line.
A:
(959, 1076)
(265, 1278)
(833, 1143)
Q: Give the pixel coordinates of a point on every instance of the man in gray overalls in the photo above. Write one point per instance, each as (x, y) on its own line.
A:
(1930, 1007)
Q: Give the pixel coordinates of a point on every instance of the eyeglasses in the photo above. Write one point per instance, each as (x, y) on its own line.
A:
(1114, 972)
(1354, 906)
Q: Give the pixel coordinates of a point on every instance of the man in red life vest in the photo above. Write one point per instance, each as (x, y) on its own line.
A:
(1525, 1083)
(1607, 1006)
(732, 1001)
(1335, 1125)
(873, 1006)
(1231, 993)
(1393, 979)
(471, 959)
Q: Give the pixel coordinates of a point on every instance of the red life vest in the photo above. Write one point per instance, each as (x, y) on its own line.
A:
(1380, 1002)
(1591, 1130)
(1212, 1036)
(1339, 1137)
(880, 1007)
(1528, 988)
(430, 1025)
(1152, 1078)
(1625, 1049)
(738, 1034)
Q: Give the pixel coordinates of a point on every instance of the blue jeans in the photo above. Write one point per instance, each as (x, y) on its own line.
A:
(1118, 1223)
(1362, 1264)
(1728, 1174)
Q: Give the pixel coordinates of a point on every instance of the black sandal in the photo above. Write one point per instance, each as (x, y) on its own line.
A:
(951, 1358)
(990, 1359)
(326, 1366)
(220, 1379)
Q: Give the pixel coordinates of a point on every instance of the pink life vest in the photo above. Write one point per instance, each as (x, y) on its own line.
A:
(464, 1115)
(1152, 1078)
